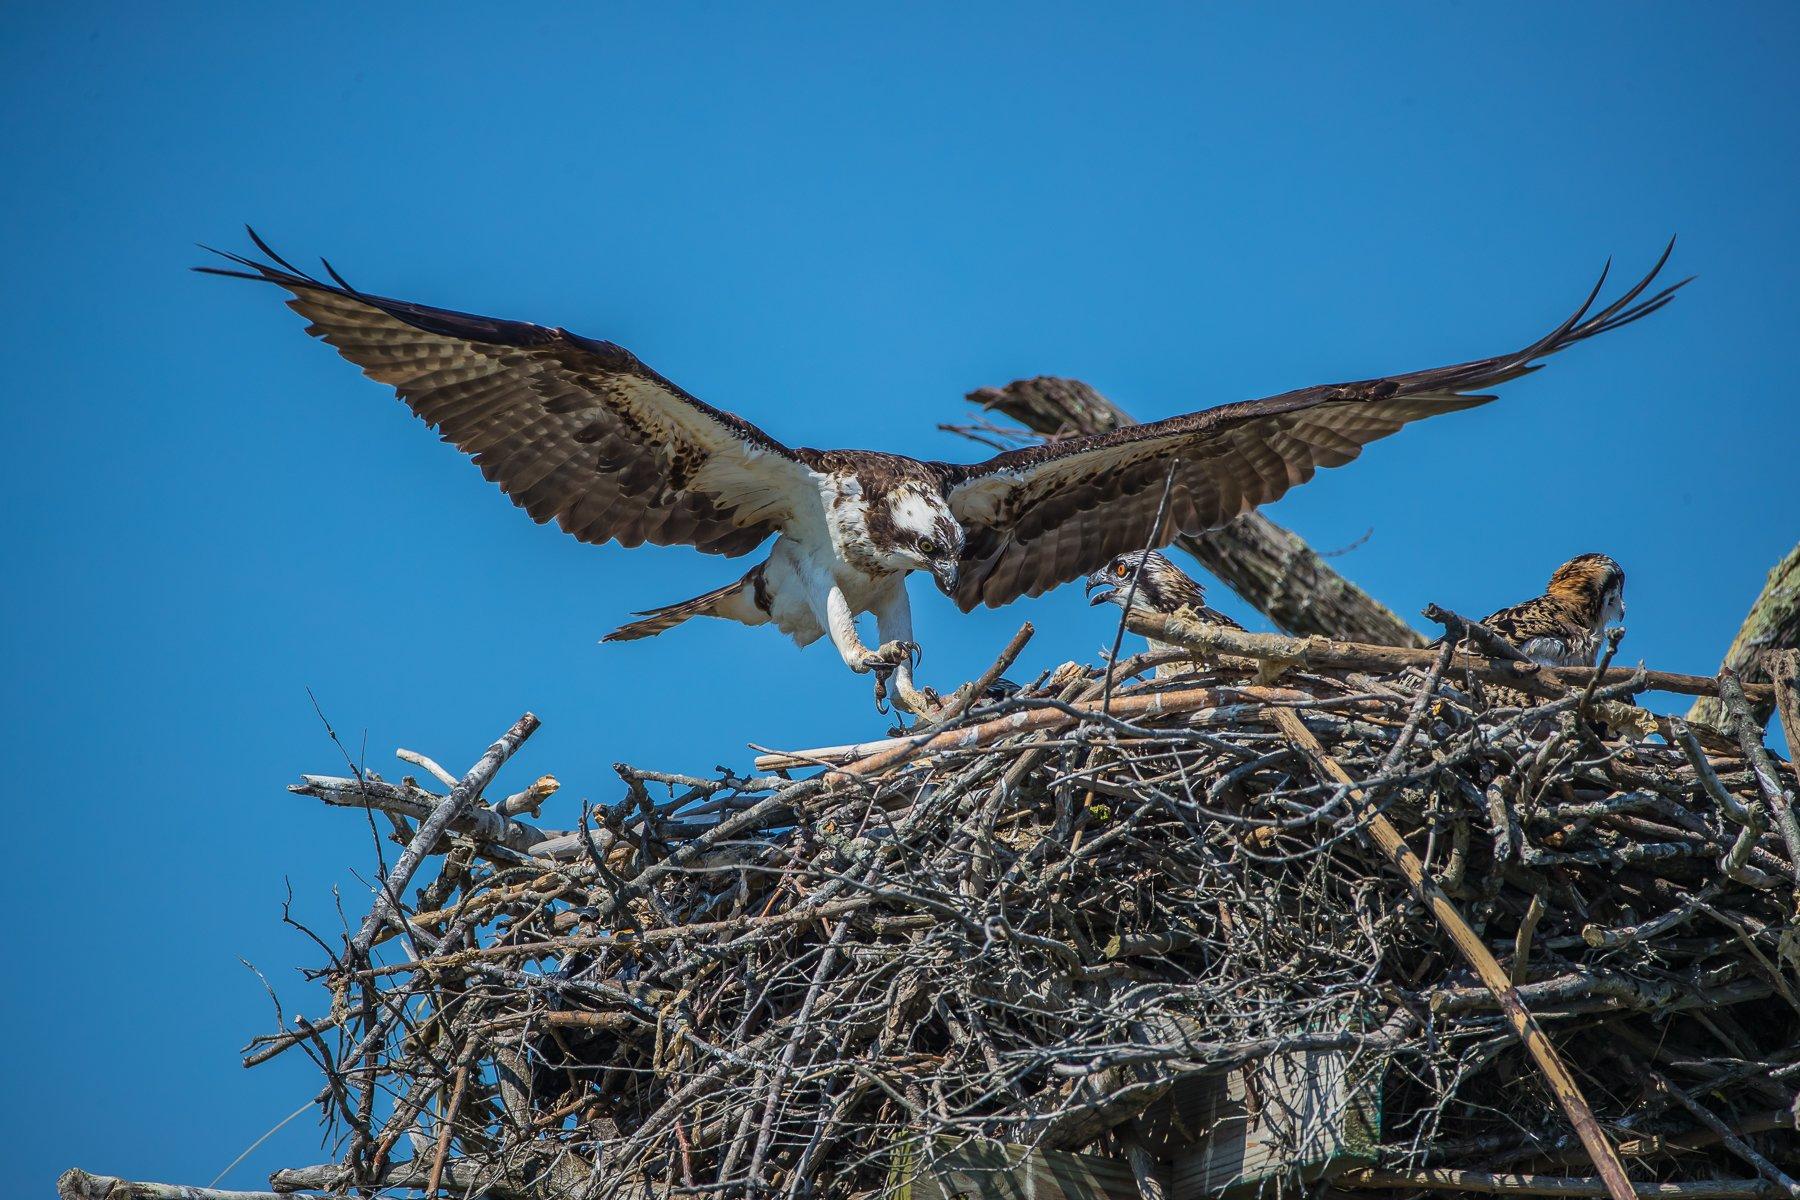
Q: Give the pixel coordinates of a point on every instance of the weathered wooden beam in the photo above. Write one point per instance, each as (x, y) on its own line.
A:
(1488, 1183)
(1315, 1113)
(1272, 568)
(1771, 625)
(983, 1170)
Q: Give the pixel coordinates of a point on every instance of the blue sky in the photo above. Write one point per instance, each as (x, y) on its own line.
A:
(836, 224)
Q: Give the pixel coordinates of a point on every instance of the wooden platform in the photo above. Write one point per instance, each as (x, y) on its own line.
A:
(1301, 1117)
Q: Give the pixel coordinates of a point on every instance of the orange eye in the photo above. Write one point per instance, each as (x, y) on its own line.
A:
(1121, 570)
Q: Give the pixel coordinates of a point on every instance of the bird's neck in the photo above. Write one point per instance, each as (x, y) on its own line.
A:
(1578, 607)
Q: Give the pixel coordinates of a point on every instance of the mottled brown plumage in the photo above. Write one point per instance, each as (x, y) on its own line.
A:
(1144, 581)
(746, 601)
(573, 430)
(1564, 626)
(1043, 514)
(1148, 582)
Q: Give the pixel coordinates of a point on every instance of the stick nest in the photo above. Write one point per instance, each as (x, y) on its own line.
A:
(1024, 929)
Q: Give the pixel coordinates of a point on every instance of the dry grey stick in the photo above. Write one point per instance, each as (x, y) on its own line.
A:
(1748, 730)
(1731, 1140)
(76, 1184)
(425, 840)
(481, 824)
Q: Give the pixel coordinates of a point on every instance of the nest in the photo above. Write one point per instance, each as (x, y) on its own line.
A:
(1028, 928)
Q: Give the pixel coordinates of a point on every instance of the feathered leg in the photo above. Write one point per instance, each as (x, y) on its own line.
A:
(893, 625)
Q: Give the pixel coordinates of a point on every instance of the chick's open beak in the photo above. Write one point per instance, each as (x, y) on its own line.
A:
(1098, 582)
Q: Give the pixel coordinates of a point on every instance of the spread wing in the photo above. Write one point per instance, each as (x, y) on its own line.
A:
(1045, 514)
(572, 429)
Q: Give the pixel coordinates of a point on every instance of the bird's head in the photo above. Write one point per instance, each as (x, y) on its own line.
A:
(923, 535)
(1593, 584)
(1162, 587)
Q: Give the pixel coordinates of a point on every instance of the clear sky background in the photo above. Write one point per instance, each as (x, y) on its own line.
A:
(836, 224)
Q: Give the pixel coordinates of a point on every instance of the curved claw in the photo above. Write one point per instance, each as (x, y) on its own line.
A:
(890, 655)
(884, 662)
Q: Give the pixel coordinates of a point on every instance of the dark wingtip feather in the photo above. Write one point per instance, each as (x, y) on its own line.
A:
(1586, 323)
(269, 250)
(278, 271)
(338, 279)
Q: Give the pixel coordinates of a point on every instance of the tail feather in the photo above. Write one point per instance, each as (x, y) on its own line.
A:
(738, 601)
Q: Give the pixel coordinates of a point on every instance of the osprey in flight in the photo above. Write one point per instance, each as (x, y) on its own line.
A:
(581, 432)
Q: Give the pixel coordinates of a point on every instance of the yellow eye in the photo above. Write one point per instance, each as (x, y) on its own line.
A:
(928, 548)
(1121, 570)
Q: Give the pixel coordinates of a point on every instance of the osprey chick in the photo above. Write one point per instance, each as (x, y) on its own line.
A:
(1564, 626)
(581, 432)
(1144, 581)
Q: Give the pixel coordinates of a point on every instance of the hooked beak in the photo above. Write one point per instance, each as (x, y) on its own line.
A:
(946, 574)
(1104, 596)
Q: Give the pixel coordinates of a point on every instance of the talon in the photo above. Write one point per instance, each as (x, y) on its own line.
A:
(890, 655)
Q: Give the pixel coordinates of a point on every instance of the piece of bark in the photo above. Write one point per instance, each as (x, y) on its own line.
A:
(1274, 570)
(1773, 624)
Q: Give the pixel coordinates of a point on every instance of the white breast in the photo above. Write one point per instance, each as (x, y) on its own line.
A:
(798, 576)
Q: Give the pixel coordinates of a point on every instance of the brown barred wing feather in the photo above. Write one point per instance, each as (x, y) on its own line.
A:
(1039, 516)
(572, 429)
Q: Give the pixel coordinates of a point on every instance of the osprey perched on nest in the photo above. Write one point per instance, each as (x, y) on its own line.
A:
(581, 432)
(1563, 627)
(1145, 581)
